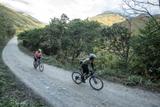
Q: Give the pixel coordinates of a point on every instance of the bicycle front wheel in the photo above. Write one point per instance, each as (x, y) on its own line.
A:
(96, 83)
(41, 67)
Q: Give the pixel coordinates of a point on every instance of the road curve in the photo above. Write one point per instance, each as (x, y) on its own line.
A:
(56, 86)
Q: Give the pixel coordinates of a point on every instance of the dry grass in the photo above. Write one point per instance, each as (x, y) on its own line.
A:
(108, 19)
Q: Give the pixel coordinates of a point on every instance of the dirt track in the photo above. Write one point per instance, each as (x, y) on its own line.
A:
(57, 87)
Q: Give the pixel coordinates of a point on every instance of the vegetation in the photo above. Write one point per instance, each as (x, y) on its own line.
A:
(138, 23)
(116, 40)
(120, 53)
(108, 18)
(147, 50)
(12, 92)
(20, 21)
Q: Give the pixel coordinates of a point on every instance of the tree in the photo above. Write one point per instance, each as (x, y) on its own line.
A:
(116, 40)
(147, 48)
(64, 18)
(53, 35)
(66, 40)
(137, 7)
(83, 35)
(32, 38)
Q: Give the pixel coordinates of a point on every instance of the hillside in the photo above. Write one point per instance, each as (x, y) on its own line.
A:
(138, 22)
(13, 93)
(108, 18)
(19, 20)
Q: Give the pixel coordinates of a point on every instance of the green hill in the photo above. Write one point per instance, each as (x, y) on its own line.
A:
(108, 18)
(138, 22)
(19, 21)
(12, 92)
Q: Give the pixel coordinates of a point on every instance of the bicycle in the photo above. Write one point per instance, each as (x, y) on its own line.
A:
(95, 82)
(38, 64)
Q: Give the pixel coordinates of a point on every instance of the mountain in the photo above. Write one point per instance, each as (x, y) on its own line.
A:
(138, 22)
(108, 18)
(19, 20)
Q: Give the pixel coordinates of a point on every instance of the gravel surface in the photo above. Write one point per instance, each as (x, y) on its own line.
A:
(55, 85)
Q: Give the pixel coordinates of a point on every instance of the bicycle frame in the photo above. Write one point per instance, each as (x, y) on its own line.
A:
(90, 74)
(38, 62)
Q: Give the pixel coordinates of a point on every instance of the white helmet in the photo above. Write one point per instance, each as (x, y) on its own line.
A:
(92, 56)
(39, 50)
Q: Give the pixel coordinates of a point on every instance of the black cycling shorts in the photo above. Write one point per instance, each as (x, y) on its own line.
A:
(85, 68)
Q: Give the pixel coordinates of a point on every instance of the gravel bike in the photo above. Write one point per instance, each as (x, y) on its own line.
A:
(38, 64)
(95, 82)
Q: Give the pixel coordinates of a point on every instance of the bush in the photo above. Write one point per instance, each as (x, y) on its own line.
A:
(147, 50)
(134, 80)
(106, 60)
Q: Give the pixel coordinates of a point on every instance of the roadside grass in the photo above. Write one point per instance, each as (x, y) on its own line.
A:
(117, 76)
(130, 80)
(13, 93)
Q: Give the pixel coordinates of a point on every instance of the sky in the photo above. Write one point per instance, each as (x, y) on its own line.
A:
(44, 10)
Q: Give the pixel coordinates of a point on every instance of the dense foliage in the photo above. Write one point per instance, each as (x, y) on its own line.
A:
(147, 50)
(116, 40)
(117, 49)
(66, 40)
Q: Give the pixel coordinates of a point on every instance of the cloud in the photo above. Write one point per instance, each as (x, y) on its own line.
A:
(143, 5)
(46, 9)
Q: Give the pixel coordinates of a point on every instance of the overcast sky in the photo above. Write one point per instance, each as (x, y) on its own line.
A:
(46, 9)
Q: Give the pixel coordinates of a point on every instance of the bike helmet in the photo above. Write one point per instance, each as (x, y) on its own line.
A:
(39, 50)
(92, 56)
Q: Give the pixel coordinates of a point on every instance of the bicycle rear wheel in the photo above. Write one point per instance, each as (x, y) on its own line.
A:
(96, 83)
(76, 77)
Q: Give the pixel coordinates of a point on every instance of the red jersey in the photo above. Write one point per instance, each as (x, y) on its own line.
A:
(38, 54)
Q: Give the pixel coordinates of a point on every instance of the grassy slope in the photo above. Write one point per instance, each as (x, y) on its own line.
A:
(138, 23)
(108, 18)
(21, 22)
(12, 92)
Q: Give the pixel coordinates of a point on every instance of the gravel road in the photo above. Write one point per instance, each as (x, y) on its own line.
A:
(56, 86)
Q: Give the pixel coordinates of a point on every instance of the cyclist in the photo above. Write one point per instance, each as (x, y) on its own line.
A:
(38, 55)
(87, 65)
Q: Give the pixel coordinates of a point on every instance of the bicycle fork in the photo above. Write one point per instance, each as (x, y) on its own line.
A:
(94, 79)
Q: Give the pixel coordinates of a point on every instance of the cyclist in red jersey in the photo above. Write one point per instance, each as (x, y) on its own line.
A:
(38, 54)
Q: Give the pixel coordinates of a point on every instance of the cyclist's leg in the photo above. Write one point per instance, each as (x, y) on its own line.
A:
(35, 59)
(35, 62)
(39, 60)
(85, 70)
